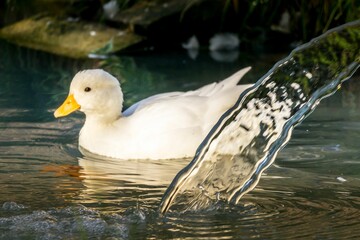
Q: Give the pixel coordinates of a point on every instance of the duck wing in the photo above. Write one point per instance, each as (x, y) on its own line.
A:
(205, 91)
(149, 101)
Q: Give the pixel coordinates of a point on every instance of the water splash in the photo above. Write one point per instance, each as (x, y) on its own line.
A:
(253, 131)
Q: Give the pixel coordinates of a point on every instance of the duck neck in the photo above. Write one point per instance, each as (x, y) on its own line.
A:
(103, 119)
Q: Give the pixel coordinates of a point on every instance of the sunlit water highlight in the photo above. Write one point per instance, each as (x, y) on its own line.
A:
(48, 190)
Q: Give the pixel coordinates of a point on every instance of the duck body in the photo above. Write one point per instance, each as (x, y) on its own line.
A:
(164, 126)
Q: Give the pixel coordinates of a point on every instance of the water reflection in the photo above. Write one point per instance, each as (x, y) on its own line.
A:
(225, 56)
(113, 182)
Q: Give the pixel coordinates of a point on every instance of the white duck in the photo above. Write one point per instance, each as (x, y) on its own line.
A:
(164, 126)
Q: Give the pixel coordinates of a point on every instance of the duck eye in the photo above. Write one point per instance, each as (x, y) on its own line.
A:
(87, 89)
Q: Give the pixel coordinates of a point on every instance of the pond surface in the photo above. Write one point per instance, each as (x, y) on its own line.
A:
(50, 191)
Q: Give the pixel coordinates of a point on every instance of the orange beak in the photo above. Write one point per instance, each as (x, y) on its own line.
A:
(70, 105)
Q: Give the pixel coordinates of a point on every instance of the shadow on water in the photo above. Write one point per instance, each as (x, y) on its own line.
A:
(253, 131)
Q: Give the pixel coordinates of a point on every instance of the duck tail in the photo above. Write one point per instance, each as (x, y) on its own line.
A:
(234, 79)
(224, 85)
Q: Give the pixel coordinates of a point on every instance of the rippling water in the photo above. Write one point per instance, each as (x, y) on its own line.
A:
(48, 190)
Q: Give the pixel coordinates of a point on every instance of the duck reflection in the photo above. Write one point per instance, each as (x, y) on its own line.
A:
(126, 183)
(142, 172)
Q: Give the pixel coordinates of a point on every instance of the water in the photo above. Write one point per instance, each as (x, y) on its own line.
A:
(50, 191)
(246, 140)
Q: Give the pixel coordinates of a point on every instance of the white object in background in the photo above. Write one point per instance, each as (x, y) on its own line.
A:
(110, 9)
(192, 45)
(224, 41)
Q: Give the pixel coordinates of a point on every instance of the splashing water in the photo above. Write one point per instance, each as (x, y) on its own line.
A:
(253, 131)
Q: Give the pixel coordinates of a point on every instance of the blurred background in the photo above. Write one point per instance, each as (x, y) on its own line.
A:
(256, 25)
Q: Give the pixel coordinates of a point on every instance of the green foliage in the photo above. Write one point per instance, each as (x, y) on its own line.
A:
(123, 4)
(308, 18)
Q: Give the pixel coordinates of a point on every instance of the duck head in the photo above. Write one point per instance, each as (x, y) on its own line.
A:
(94, 92)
